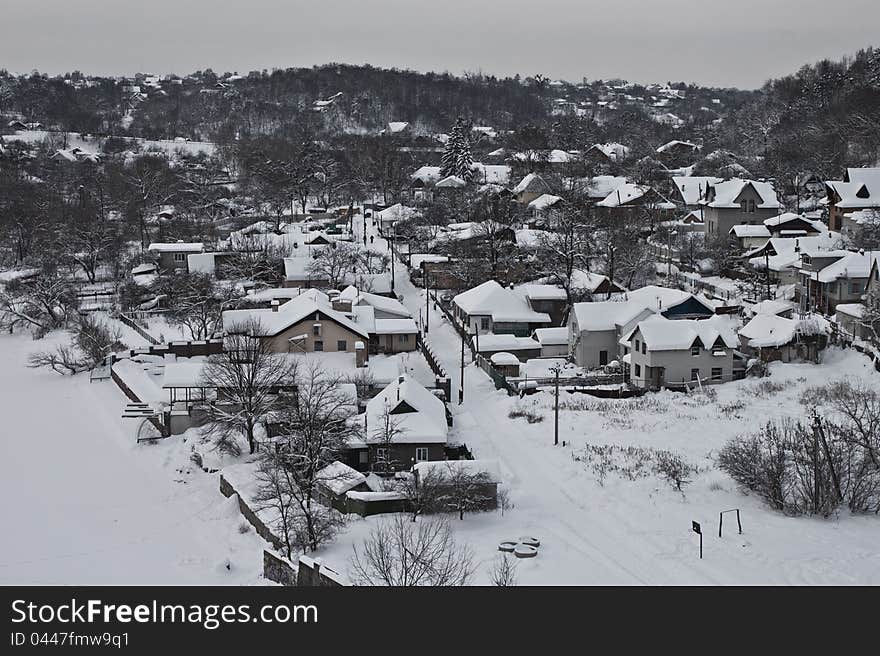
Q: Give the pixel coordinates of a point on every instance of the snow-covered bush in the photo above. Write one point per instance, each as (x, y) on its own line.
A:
(635, 462)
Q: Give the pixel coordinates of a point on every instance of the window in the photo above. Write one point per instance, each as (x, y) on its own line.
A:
(421, 454)
(180, 257)
(695, 349)
(716, 373)
(644, 348)
(695, 374)
(316, 329)
(638, 346)
(484, 323)
(752, 207)
(382, 454)
(638, 370)
(341, 345)
(363, 457)
(603, 358)
(403, 339)
(855, 287)
(319, 345)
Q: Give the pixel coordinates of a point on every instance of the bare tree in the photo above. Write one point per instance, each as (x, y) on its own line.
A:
(383, 437)
(399, 553)
(333, 262)
(503, 572)
(43, 303)
(247, 377)
(316, 429)
(91, 341)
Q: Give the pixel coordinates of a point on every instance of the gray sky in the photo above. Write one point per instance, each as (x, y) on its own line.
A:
(712, 42)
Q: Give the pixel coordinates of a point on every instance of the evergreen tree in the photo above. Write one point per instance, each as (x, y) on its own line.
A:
(457, 158)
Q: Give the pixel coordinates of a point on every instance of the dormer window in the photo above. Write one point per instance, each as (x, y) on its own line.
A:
(752, 207)
(863, 192)
(695, 349)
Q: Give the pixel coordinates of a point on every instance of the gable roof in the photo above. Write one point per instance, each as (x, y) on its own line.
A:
(662, 334)
(692, 188)
(426, 425)
(766, 330)
(272, 322)
(726, 194)
(502, 304)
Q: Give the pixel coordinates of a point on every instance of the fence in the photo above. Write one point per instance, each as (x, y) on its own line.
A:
(497, 377)
(227, 490)
(455, 324)
(140, 331)
(575, 381)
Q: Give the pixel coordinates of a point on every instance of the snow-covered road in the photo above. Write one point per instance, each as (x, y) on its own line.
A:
(82, 504)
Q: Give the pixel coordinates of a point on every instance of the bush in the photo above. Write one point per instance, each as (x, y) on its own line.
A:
(635, 462)
(788, 466)
(528, 415)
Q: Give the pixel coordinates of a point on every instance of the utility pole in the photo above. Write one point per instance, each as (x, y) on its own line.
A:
(767, 270)
(427, 300)
(461, 380)
(391, 243)
(556, 369)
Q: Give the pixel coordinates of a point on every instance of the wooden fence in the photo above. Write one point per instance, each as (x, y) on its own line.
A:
(135, 327)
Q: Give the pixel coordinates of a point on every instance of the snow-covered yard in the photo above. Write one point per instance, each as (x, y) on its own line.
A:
(84, 504)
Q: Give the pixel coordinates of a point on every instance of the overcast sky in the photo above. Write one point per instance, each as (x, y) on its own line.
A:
(712, 42)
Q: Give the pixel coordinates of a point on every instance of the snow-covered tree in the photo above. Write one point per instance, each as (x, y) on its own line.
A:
(457, 157)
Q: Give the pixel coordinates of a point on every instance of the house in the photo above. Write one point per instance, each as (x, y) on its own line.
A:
(553, 341)
(305, 324)
(173, 256)
(398, 128)
(530, 188)
(775, 307)
(677, 150)
(737, 202)
(607, 153)
(680, 354)
(850, 321)
(548, 299)
(782, 255)
(388, 217)
(507, 364)
(859, 190)
(544, 210)
(589, 286)
(690, 189)
(630, 198)
(750, 237)
(404, 424)
(595, 329)
(830, 278)
(383, 306)
(771, 338)
(789, 224)
(491, 308)
(524, 348)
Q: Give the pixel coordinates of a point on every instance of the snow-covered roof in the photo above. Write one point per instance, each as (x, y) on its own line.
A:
(852, 265)
(675, 143)
(417, 259)
(490, 342)
(552, 336)
(418, 415)
(533, 183)
(339, 478)
(183, 374)
(745, 230)
(773, 307)
(383, 303)
(272, 322)
(601, 185)
(176, 247)
(502, 304)
(544, 201)
(397, 126)
(767, 330)
(864, 217)
(616, 152)
(692, 188)
(395, 327)
(727, 193)
(539, 292)
(861, 190)
(661, 334)
(503, 358)
(451, 182)
(427, 174)
(608, 315)
(446, 469)
(789, 250)
(397, 212)
(628, 193)
(851, 309)
(586, 280)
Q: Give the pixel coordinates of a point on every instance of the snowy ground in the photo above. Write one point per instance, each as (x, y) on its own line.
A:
(639, 532)
(90, 506)
(83, 504)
